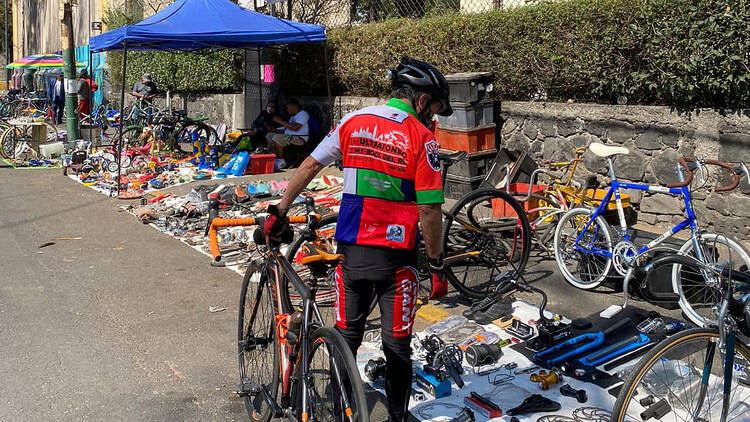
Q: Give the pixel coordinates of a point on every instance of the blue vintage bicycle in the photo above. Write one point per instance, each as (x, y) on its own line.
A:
(587, 248)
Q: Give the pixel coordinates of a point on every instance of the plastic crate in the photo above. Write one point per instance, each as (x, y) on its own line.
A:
(261, 163)
(469, 140)
(457, 186)
(475, 164)
(501, 208)
(466, 116)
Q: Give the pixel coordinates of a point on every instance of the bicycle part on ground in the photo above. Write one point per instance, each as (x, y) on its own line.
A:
(533, 404)
(544, 379)
(580, 395)
(375, 369)
(576, 345)
(483, 354)
(466, 415)
(443, 360)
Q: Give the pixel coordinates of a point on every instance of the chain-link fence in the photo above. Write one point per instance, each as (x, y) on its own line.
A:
(343, 13)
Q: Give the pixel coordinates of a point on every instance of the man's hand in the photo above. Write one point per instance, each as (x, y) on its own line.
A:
(276, 227)
(439, 279)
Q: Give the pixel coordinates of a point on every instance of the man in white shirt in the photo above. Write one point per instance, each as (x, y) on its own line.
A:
(295, 132)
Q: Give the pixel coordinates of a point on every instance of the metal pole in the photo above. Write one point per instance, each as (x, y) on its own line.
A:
(328, 87)
(8, 54)
(69, 68)
(122, 117)
(260, 83)
(91, 78)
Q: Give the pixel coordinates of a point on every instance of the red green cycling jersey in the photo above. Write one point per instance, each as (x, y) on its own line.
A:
(391, 165)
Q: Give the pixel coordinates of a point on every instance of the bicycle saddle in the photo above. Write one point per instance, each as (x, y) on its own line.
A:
(452, 157)
(181, 113)
(602, 150)
(311, 253)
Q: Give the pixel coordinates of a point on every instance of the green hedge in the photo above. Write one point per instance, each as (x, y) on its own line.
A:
(181, 72)
(675, 52)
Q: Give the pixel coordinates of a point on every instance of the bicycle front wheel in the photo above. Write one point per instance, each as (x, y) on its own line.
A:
(485, 234)
(697, 295)
(682, 379)
(334, 388)
(257, 346)
(583, 262)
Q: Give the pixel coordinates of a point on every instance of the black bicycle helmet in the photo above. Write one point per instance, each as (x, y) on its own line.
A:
(424, 77)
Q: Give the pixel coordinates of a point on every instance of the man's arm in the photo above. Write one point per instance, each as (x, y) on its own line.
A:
(431, 220)
(290, 126)
(302, 176)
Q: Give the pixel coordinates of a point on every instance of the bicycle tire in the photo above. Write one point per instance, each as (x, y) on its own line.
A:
(677, 344)
(247, 339)
(337, 351)
(466, 228)
(573, 219)
(696, 297)
(183, 137)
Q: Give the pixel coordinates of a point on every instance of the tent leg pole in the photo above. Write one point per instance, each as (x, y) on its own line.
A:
(328, 87)
(122, 115)
(260, 82)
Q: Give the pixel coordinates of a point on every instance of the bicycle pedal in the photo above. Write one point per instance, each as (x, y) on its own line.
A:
(248, 389)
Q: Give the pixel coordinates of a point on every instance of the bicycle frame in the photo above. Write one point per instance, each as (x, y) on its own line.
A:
(614, 190)
(276, 268)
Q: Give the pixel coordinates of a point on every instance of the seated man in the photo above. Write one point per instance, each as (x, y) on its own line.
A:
(296, 130)
(263, 125)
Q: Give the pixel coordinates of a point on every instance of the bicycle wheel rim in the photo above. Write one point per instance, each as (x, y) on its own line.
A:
(589, 270)
(327, 349)
(697, 297)
(672, 373)
(257, 345)
(481, 243)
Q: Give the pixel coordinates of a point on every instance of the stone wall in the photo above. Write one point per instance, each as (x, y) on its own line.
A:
(656, 137)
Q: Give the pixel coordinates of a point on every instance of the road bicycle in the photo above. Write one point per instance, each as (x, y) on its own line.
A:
(586, 250)
(559, 193)
(290, 364)
(699, 374)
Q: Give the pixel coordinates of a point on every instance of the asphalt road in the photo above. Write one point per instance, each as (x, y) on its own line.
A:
(116, 325)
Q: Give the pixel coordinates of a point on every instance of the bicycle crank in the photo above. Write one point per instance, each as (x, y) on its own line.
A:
(622, 254)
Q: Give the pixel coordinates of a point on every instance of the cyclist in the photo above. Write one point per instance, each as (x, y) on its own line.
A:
(392, 184)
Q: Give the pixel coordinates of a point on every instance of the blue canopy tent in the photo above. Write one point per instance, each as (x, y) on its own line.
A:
(206, 24)
(203, 25)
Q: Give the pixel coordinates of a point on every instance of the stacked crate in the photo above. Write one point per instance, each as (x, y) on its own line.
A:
(470, 128)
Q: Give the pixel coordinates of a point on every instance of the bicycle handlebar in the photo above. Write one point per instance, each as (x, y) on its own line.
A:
(684, 163)
(735, 176)
(688, 178)
(217, 223)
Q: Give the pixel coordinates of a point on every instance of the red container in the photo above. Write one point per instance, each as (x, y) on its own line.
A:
(501, 208)
(469, 140)
(261, 163)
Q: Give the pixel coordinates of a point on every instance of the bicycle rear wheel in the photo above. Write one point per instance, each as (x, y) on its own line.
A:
(671, 375)
(335, 389)
(485, 234)
(583, 269)
(257, 346)
(697, 296)
(193, 137)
